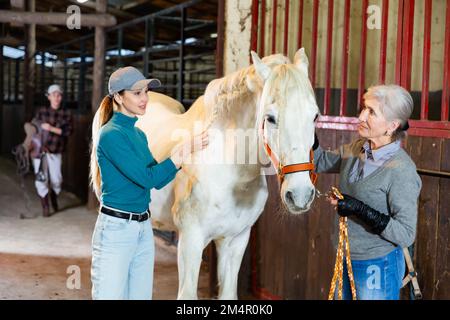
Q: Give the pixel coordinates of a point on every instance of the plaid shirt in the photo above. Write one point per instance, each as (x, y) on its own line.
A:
(61, 118)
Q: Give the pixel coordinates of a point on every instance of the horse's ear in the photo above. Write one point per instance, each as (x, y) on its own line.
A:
(262, 70)
(301, 60)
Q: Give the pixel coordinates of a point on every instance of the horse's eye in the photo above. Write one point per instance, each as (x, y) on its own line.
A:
(315, 118)
(271, 119)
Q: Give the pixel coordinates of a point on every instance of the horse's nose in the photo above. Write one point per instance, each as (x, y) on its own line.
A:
(298, 201)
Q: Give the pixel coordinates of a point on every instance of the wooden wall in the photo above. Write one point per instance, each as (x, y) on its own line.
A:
(295, 254)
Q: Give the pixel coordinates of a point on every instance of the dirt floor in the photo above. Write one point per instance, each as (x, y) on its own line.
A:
(40, 258)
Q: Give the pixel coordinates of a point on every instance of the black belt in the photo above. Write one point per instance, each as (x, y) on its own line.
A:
(139, 217)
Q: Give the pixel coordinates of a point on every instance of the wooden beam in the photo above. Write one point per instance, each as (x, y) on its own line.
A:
(133, 4)
(29, 71)
(115, 12)
(98, 74)
(46, 18)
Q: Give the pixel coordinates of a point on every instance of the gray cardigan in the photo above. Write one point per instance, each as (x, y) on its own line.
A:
(391, 189)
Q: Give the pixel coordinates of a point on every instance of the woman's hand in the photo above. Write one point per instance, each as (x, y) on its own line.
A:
(351, 206)
(181, 153)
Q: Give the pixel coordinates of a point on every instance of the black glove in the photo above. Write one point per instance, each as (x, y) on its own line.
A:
(316, 142)
(373, 218)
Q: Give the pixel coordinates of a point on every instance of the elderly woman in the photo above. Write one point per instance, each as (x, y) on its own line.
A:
(381, 188)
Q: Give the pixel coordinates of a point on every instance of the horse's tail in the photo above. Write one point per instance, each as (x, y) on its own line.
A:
(103, 115)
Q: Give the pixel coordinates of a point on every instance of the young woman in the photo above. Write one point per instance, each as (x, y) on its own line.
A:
(123, 171)
(381, 189)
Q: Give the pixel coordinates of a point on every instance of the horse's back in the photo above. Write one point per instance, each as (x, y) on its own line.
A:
(166, 124)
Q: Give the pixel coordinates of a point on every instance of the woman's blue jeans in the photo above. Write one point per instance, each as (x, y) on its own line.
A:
(122, 259)
(376, 279)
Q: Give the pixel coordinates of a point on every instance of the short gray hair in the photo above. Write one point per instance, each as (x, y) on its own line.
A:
(396, 104)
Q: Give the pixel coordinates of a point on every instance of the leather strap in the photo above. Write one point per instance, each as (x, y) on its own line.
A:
(139, 217)
(291, 168)
(412, 275)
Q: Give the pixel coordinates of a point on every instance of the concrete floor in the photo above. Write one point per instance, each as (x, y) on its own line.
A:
(40, 256)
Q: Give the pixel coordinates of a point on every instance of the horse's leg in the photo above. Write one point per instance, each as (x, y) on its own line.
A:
(230, 252)
(190, 248)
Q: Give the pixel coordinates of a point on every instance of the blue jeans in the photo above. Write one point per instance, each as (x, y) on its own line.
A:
(376, 279)
(122, 259)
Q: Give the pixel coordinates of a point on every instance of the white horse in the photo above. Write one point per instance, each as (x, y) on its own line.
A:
(215, 199)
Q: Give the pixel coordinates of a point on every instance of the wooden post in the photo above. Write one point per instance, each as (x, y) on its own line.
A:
(98, 78)
(53, 18)
(29, 66)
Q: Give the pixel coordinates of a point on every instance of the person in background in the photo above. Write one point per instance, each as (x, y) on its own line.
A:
(55, 126)
(381, 188)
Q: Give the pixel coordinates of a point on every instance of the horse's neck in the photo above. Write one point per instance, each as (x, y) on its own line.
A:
(240, 122)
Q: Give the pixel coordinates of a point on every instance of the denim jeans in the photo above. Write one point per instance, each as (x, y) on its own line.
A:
(376, 279)
(122, 259)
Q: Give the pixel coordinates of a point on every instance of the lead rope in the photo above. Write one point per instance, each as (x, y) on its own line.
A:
(339, 265)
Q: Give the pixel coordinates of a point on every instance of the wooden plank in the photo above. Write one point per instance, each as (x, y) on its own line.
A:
(426, 241)
(321, 230)
(443, 248)
(294, 254)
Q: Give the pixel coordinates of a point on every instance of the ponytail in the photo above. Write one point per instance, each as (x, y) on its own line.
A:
(102, 116)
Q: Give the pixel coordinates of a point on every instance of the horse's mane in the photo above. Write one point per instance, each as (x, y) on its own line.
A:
(222, 95)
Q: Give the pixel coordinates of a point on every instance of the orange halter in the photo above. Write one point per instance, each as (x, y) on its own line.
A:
(291, 168)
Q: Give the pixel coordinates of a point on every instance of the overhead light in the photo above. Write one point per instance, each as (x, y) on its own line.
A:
(82, 1)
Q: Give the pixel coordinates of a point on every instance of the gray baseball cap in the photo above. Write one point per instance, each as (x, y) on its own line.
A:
(54, 88)
(129, 78)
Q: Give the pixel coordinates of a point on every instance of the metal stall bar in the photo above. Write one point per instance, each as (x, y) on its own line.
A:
(328, 59)
(65, 95)
(119, 47)
(383, 44)
(254, 29)
(17, 80)
(286, 28)
(345, 41)
(300, 24)
(426, 61)
(314, 42)
(362, 54)
(398, 58)
(81, 79)
(146, 44)
(180, 91)
(274, 25)
(262, 30)
(446, 80)
(160, 13)
(408, 29)
(9, 80)
(42, 71)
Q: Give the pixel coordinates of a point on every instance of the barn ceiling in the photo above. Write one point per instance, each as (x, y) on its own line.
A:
(123, 10)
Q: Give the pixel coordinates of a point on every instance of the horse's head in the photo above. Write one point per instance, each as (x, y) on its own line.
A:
(287, 111)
